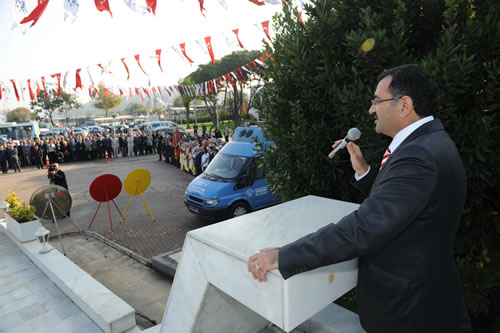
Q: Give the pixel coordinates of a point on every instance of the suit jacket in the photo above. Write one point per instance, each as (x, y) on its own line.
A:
(403, 234)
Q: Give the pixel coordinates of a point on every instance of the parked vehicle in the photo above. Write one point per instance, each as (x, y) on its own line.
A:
(234, 182)
(171, 130)
(21, 131)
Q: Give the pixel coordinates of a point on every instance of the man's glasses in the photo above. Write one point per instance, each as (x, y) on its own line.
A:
(376, 101)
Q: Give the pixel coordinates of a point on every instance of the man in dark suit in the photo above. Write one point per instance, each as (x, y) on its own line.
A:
(403, 233)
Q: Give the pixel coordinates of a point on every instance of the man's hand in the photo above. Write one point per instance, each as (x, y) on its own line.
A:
(357, 161)
(264, 261)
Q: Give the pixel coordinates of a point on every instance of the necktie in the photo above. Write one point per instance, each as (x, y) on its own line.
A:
(386, 156)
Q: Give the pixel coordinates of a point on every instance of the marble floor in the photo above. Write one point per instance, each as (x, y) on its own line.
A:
(30, 302)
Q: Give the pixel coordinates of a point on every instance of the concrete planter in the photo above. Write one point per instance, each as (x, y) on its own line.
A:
(24, 232)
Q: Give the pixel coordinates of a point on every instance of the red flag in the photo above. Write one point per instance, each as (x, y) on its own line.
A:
(147, 92)
(183, 49)
(15, 89)
(201, 7)
(36, 13)
(126, 67)
(255, 64)
(300, 17)
(151, 6)
(45, 88)
(257, 2)
(265, 25)
(238, 38)
(78, 79)
(242, 75)
(121, 92)
(58, 76)
(107, 92)
(154, 91)
(130, 92)
(1, 89)
(267, 55)
(103, 5)
(158, 55)
(32, 94)
(139, 63)
(90, 92)
(208, 41)
(159, 90)
(37, 89)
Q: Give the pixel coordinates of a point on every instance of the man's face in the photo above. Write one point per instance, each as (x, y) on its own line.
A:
(385, 113)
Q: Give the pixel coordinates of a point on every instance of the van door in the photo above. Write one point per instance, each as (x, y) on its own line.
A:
(259, 192)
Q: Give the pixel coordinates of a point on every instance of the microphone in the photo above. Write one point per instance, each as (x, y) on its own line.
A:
(352, 135)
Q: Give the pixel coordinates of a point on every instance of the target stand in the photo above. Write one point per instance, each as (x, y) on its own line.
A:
(137, 182)
(105, 188)
(53, 196)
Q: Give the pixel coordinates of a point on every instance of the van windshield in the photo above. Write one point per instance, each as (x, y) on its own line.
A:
(225, 166)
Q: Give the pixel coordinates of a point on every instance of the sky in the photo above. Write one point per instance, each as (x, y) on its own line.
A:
(54, 46)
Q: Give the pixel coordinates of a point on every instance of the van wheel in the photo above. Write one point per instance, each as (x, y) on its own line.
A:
(238, 209)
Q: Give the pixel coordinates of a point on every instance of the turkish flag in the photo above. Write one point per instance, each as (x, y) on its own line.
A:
(201, 7)
(183, 49)
(238, 38)
(265, 25)
(32, 94)
(103, 5)
(158, 55)
(78, 79)
(36, 13)
(58, 76)
(126, 67)
(139, 63)
(208, 41)
(151, 6)
(45, 88)
(15, 89)
(258, 2)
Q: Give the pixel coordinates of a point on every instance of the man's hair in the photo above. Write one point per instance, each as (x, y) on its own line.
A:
(414, 81)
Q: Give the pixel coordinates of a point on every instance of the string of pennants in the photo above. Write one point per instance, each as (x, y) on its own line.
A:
(214, 85)
(24, 17)
(200, 89)
(30, 88)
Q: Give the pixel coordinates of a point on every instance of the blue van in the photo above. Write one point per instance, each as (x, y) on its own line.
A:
(233, 183)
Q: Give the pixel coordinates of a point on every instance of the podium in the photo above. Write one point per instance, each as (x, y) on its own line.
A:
(214, 292)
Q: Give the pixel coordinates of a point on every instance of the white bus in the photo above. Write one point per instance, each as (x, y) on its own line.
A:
(19, 132)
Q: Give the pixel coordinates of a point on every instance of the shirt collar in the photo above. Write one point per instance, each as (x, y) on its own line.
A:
(405, 132)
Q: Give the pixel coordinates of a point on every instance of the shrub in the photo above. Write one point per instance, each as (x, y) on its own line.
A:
(23, 213)
(320, 85)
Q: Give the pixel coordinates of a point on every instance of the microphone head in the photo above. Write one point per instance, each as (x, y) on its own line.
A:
(353, 134)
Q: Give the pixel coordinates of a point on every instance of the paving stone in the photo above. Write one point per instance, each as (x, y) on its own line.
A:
(165, 197)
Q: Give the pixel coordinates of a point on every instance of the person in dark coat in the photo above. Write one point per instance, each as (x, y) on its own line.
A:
(13, 158)
(403, 232)
(36, 155)
(57, 177)
(3, 159)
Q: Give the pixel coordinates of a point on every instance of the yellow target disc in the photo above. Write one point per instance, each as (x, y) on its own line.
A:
(368, 45)
(137, 181)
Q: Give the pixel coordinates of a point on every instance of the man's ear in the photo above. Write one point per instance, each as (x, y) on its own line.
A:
(406, 107)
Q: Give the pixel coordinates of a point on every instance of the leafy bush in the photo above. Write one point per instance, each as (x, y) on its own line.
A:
(324, 75)
(23, 213)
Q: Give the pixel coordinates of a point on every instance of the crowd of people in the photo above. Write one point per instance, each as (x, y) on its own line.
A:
(192, 154)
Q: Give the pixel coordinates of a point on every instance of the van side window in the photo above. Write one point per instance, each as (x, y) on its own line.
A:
(259, 170)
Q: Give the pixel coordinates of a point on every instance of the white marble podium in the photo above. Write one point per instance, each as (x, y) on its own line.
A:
(213, 291)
